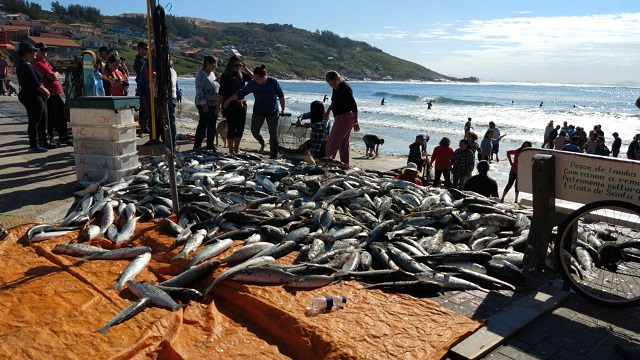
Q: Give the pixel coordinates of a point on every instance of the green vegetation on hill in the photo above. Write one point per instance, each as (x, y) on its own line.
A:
(292, 53)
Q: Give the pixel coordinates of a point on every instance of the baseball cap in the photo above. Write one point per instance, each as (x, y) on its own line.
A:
(41, 46)
(25, 47)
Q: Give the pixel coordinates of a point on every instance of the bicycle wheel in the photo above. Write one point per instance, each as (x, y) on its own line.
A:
(597, 251)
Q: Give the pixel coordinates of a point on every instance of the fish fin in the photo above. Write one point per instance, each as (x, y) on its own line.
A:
(113, 287)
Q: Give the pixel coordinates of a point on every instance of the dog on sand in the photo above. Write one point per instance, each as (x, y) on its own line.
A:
(221, 132)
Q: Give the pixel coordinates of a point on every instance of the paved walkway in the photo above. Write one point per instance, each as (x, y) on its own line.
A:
(40, 187)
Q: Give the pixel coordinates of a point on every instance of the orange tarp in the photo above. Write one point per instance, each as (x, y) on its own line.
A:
(51, 304)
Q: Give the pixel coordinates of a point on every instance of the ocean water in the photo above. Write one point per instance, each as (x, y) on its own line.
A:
(513, 107)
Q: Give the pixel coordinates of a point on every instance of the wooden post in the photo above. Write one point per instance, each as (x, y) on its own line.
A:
(544, 206)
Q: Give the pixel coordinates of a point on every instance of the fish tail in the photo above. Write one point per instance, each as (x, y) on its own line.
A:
(178, 306)
(181, 255)
(102, 330)
(113, 287)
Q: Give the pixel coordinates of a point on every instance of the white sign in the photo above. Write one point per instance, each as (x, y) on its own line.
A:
(585, 178)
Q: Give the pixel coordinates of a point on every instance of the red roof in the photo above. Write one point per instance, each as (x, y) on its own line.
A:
(62, 26)
(54, 35)
(53, 42)
(12, 28)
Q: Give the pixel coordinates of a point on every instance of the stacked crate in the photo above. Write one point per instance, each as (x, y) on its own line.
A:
(104, 143)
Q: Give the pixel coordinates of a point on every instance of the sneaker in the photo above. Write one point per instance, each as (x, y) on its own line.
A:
(38, 149)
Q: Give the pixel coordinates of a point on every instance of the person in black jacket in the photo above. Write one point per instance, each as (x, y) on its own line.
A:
(482, 183)
(33, 95)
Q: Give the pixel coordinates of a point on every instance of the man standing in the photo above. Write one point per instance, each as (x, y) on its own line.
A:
(55, 105)
(143, 118)
(461, 164)
(4, 72)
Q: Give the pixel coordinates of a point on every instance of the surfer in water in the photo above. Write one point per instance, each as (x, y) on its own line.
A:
(382, 102)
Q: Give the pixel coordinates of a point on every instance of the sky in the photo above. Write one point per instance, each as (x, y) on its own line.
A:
(561, 41)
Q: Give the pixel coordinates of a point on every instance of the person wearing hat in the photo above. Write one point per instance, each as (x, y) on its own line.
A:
(601, 148)
(33, 95)
(415, 152)
(56, 118)
(482, 183)
(410, 174)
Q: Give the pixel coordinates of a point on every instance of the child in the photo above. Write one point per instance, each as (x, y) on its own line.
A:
(372, 142)
(11, 88)
(415, 152)
(319, 129)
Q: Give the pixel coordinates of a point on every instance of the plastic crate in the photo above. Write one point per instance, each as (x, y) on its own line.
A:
(104, 133)
(106, 161)
(96, 147)
(101, 117)
(87, 174)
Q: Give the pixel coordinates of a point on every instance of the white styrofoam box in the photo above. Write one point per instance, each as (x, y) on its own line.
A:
(101, 117)
(104, 133)
(88, 161)
(96, 147)
(98, 174)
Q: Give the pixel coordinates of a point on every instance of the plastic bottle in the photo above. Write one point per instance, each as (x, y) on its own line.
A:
(327, 303)
(97, 79)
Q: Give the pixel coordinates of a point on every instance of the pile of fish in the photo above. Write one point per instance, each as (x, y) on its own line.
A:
(338, 224)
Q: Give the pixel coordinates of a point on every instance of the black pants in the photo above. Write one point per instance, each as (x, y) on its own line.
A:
(37, 114)
(236, 115)
(447, 178)
(56, 118)
(272, 123)
(206, 125)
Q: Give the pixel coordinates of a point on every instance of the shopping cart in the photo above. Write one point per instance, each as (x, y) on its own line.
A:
(291, 135)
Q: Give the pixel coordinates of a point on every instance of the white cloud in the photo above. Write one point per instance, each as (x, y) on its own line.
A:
(597, 46)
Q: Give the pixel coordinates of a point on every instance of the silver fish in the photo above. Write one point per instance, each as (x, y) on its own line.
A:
(264, 260)
(210, 251)
(119, 254)
(194, 241)
(157, 296)
(126, 314)
(134, 268)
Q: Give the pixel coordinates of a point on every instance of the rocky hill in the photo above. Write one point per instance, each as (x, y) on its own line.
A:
(292, 53)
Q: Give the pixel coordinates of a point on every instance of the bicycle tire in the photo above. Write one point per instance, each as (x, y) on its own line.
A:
(603, 226)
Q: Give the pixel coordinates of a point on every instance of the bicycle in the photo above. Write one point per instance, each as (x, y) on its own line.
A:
(597, 250)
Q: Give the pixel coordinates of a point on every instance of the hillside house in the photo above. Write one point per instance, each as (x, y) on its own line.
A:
(17, 33)
(92, 43)
(61, 28)
(60, 48)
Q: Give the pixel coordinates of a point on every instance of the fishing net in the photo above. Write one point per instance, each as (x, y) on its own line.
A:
(53, 303)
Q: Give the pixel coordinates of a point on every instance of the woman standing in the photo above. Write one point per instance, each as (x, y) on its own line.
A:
(486, 146)
(442, 157)
(345, 114)
(33, 95)
(206, 102)
(232, 80)
(266, 91)
(115, 80)
(512, 156)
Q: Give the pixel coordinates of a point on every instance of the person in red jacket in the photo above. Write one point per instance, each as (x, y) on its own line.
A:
(442, 157)
(410, 174)
(512, 156)
(56, 118)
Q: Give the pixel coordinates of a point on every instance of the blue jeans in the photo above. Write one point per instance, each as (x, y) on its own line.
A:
(459, 180)
(272, 122)
(206, 125)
